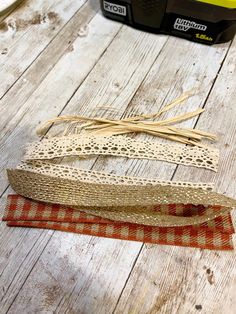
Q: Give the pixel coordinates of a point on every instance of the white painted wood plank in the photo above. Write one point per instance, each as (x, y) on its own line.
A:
(15, 99)
(89, 299)
(30, 15)
(27, 32)
(192, 280)
(10, 9)
(178, 280)
(6, 5)
(71, 262)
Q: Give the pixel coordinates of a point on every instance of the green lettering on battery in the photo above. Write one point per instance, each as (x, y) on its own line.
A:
(204, 37)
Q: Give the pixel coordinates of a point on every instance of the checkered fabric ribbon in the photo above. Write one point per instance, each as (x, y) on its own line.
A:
(215, 234)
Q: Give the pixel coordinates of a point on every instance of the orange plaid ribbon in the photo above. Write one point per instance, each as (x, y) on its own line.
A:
(215, 234)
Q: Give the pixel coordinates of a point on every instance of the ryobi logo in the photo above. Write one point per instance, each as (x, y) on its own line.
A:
(185, 25)
(114, 8)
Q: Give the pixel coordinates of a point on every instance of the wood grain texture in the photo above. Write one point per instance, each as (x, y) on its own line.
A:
(35, 74)
(35, 24)
(115, 72)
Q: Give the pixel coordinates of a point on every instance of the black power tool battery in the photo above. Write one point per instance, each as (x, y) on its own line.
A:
(204, 21)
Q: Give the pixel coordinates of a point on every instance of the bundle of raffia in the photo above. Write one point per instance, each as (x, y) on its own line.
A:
(137, 124)
(60, 197)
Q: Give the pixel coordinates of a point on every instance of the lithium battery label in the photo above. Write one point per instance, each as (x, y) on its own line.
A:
(185, 25)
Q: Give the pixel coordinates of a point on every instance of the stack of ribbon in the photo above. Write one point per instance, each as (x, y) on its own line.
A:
(60, 197)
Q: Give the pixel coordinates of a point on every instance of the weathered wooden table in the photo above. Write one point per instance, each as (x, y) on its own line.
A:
(64, 57)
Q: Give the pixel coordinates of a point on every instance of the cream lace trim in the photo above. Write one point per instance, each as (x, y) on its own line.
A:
(72, 173)
(124, 147)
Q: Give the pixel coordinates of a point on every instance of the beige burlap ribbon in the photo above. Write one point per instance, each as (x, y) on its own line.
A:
(130, 203)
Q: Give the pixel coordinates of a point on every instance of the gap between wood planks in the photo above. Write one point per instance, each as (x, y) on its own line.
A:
(14, 7)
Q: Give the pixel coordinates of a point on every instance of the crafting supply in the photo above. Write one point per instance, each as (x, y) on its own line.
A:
(130, 200)
(215, 234)
(131, 214)
(123, 147)
(68, 172)
(132, 203)
(204, 21)
(75, 192)
(149, 216)
(137, 124)
(105, 127)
